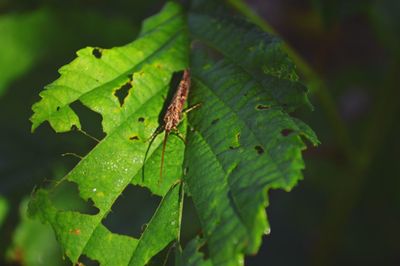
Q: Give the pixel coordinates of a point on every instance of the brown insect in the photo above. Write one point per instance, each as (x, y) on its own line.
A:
(173, 116)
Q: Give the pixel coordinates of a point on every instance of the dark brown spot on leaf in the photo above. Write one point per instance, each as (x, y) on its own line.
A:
(75, 232)
(134, 138)
(214, 121)
(262, 107)
(286, 132)
(259, 149)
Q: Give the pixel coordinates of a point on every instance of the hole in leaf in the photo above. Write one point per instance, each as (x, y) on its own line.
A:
(214, 121)
(164, 257)
(97, 53)
(141, 119)
(132, 211)
(285, 132)
(259, 149)
(66, 197)
(263, 107)
(74, 127)
(86, 261)
(190, 226)
(58, 108)
(190, 222)
(90, 120)
(134, 138)
(122, 93)
(204, 250)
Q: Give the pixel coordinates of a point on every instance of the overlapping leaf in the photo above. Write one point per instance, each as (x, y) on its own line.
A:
(145, 67)
(242, 141)
(191, 256)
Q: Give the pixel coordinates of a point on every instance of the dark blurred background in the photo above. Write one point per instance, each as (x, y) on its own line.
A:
(347, 209)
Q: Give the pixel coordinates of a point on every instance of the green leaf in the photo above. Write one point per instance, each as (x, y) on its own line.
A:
(256, 52)
(230, 171)
(157, 235)
(145, 67)
(74, 231)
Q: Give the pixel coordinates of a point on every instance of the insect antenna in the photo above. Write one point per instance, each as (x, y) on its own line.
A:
(151, 139)
(162, 155)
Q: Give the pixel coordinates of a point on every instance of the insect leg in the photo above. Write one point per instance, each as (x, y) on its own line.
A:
(189, 109)
(162, 155)
(177, 133)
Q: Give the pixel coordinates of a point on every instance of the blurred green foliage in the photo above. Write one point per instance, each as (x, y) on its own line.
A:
(33, 243)
(3, 210)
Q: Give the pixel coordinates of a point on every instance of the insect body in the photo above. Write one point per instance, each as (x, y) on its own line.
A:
(173, 115)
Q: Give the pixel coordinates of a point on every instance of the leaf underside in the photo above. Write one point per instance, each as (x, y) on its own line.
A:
(240, 143)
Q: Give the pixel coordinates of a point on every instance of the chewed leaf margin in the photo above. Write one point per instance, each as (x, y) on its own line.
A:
(145, 67)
